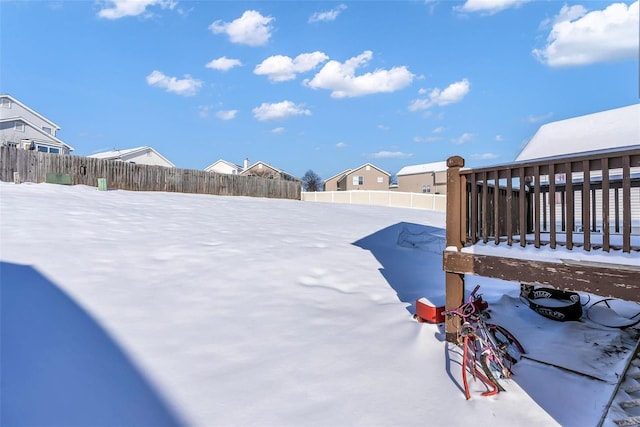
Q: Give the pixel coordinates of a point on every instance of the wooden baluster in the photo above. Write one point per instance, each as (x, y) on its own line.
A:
(474, 208)
(570, 204)
(509, 209)
(552, 206)
(626, 204)
(496, 207)
(536, 205)
(522, 209)
(485, 215)
(606, 238)
(586, 190)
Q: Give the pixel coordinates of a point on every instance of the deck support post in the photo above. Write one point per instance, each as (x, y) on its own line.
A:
(454, 282)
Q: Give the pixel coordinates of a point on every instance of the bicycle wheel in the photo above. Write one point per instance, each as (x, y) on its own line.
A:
(489, 366)
(469, 363)
(507, 343)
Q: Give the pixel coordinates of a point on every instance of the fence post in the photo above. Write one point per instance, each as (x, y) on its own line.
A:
(454, 282)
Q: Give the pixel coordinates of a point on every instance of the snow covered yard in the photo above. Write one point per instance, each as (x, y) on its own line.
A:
(136, 308)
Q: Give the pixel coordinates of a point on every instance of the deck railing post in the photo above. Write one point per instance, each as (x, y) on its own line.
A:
(456, 220)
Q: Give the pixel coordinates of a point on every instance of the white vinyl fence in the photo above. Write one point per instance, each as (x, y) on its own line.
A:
(436, 202)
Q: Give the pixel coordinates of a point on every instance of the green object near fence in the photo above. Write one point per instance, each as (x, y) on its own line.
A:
(102, 184)
(58, 178)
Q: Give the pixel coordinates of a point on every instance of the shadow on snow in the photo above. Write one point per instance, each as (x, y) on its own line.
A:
(407, 253)
(59, 367)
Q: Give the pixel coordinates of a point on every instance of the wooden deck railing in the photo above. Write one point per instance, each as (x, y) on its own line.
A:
(564, 201)
(583, 202)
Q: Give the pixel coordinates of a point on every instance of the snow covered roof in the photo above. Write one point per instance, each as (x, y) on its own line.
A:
(611, 129)
(118, 154)
(424, 168)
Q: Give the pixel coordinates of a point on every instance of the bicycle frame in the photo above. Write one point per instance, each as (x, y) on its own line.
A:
(479, 337)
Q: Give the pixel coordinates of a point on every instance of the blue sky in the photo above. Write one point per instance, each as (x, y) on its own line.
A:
(319, 85)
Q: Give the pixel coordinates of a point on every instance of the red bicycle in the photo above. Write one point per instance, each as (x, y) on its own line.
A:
(491, 346)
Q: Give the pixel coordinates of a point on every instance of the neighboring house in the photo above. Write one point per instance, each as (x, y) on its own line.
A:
(424, 178)
(337, 182)
(605, 130)
(139, 155)
(264, 170)
(365, 177)
(223, 166)
(22, 127)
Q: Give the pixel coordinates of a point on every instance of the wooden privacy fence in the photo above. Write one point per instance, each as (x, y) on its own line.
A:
(32, 166)
(582, 202)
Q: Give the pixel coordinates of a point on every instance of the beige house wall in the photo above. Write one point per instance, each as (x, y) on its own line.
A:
(373, 179)
(331, 184)
(262, 171)
(434, 182)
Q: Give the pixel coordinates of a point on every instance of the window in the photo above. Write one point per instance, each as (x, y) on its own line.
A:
(19, 126)
(45, 149)
(5, 103)
(46, 129)
(426, 189)
(368, 168)
(358, 180)
(380, 180)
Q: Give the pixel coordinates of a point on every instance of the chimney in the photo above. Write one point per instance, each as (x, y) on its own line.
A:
(246, 163)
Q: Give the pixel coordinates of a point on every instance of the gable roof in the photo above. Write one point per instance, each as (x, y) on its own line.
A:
(233, 165)
(4, 95)
(368, 164)
(606, 130)
(37, 129)
(280, 171)
(117, 154)
(423, 168)
(341, 174)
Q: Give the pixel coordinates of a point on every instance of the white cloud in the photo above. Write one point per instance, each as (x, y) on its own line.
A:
(341, 80)
(383, 127)
(251, 28)
(279, 111)
(277, 130)
(489, 7)
(115, 9)
(341, 145)
(280, 68)
(203, 111)
(227, 114)
(186, 87)
(450, 95)
(484, 156)
(581, 38)
(464, 138)
(223, 63)
(389, 155)
(439, 129)
(329, 15)
(538, 119)
(499, 138)
(427, 138)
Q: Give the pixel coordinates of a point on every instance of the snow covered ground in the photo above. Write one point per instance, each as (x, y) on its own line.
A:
(136, 308)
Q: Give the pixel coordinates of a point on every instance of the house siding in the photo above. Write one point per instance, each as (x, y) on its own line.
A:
(262, 171)
(435, 182)
(148, 157)
(373, 179)
(14, 109)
